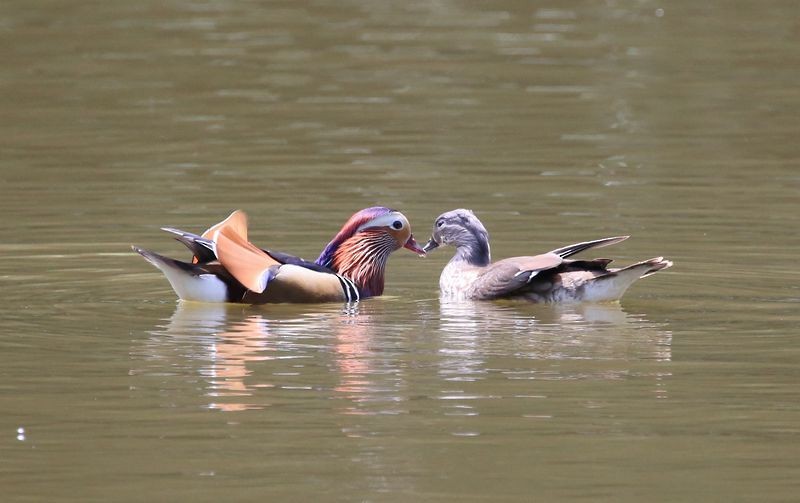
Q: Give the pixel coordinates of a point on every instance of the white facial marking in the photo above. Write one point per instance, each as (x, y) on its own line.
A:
(385, 221)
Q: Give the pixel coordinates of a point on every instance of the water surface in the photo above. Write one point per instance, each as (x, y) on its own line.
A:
(675, 123)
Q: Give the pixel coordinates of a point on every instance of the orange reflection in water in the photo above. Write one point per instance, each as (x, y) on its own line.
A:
(242, 343)
(350, 351)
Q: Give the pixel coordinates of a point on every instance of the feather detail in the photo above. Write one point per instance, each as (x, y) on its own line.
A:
(348, 230)
(202, 249)
(362, 259)
(204, 283)
(236, 222)
(297, 284)
(250, 265)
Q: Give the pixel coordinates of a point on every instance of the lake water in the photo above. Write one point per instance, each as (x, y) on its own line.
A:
(675, 122)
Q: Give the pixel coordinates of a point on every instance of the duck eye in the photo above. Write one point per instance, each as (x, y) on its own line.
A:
(439, 224)
(397, 225)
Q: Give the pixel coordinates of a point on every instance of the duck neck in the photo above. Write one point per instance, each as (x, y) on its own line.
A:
(474, 252)
(362, 259)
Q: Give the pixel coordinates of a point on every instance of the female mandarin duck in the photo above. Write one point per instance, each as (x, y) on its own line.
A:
(550, 277)
(226, 267)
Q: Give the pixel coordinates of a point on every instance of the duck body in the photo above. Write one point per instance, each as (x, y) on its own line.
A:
(546, 278)
(226, 267)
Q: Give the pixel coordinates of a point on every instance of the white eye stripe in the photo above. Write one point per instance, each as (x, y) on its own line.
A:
(387, 220)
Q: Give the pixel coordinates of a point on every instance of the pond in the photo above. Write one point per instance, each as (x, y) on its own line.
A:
(555, 122)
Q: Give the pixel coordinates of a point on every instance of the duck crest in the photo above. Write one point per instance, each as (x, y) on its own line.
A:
(360, 256)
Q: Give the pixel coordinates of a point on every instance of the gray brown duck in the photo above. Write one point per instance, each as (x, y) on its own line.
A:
(549, 277)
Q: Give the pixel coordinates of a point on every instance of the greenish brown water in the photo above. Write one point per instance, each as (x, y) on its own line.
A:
(555, 122)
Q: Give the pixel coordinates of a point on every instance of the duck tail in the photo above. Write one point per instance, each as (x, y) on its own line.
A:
(190, 282)
(202, 249)
(613, 285)
(651, 266)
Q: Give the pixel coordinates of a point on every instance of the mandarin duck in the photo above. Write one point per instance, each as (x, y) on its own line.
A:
(550, 277)
(226, 267)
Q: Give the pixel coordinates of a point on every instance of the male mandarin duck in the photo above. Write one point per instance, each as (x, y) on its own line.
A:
(550, 277)
(226, 267)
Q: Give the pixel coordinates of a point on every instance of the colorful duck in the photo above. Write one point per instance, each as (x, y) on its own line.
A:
(550, 277)
(226, 267)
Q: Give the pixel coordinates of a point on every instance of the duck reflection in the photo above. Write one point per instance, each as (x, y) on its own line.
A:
(229, 347)
(229, 341)
(357, 357)
(547, 342)
(243, 342)
(579, 331)
(499, 356)
(351, 350)
(368, 367)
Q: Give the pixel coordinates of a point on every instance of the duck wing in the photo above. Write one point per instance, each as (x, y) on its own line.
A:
(509, 275)
(290, 279)
(236, 223)
(202, 248)
(573, 249)
(286, 258)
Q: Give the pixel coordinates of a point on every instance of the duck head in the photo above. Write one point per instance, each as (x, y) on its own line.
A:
(361, 248)
(462, 229)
